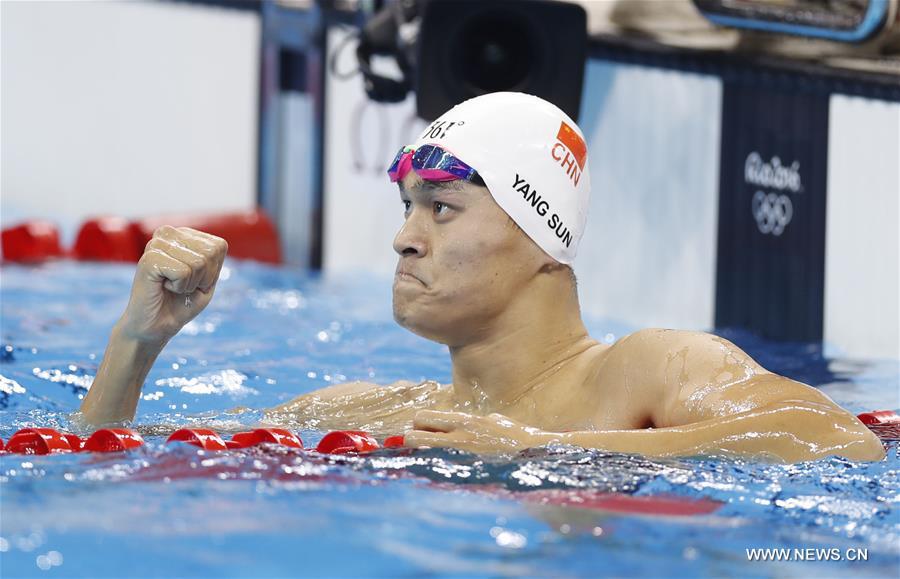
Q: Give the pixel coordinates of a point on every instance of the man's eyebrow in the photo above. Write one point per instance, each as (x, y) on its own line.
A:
(431, 188)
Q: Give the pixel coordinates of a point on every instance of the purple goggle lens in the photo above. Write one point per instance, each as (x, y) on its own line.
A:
(431, 163)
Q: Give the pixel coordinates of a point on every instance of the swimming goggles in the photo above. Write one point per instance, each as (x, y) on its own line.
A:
(431, 163)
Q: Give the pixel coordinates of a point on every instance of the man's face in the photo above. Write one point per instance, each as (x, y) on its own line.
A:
(461, 260)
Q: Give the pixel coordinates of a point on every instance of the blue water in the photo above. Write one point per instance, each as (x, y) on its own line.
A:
(271, 334)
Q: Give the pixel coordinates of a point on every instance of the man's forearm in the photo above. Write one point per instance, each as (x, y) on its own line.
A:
(361, 405)
(116, 389)
(791, 431)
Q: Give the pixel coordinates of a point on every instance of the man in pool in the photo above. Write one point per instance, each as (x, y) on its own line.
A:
(495, 195)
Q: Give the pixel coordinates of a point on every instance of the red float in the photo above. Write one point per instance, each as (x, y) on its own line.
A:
(30, 242)
(395, 441)
(884, 423)
(345, 441)
(201, 437)
(879, 417)
(75, 443)
(107, 239)
(38, 441)
(113, 440)
(250, 234)
(270, 435)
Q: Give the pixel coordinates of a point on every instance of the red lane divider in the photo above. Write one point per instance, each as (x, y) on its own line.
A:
(335, 442)
(48, 440)
(884, 423)
(250, 235)
(30, 242)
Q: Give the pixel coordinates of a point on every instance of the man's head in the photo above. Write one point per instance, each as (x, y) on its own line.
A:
(495, 203)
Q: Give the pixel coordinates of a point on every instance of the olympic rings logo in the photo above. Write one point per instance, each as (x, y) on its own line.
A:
(772, 212)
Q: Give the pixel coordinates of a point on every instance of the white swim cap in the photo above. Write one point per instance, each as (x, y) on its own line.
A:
(532, 158)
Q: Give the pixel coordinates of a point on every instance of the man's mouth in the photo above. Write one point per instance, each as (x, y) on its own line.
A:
(403, 275)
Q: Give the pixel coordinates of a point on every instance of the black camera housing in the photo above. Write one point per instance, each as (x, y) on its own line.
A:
(467, 48)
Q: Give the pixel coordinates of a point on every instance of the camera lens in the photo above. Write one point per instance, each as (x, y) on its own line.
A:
(493, 53)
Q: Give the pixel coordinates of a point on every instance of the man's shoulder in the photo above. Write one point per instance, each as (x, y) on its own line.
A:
(658, 366)
(665, 338)
(653, 346)
(636, 372)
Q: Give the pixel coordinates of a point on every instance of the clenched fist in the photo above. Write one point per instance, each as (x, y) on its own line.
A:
(175, 280)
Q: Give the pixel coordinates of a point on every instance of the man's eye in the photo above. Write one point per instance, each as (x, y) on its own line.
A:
(439, 207)
(406, 205)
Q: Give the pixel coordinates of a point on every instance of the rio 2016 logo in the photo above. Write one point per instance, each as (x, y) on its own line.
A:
(772, 211)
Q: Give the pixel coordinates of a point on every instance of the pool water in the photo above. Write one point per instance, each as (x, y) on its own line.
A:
(271, 334)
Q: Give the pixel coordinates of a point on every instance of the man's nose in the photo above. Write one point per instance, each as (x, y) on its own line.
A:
(411, 240)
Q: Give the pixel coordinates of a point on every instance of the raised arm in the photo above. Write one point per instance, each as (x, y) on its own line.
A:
(175, 280)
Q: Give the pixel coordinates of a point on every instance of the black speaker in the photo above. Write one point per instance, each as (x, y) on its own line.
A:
(473, 47)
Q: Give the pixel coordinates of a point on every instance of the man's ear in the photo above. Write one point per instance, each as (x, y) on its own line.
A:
(550, 265)
(544, 263)
(556, 268)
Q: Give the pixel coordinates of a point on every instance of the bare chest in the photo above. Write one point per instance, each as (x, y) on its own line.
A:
(587, 395)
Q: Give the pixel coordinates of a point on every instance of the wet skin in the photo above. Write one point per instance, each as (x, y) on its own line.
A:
(525, 371)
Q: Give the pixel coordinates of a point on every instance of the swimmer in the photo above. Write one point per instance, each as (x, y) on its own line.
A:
(495, 196)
